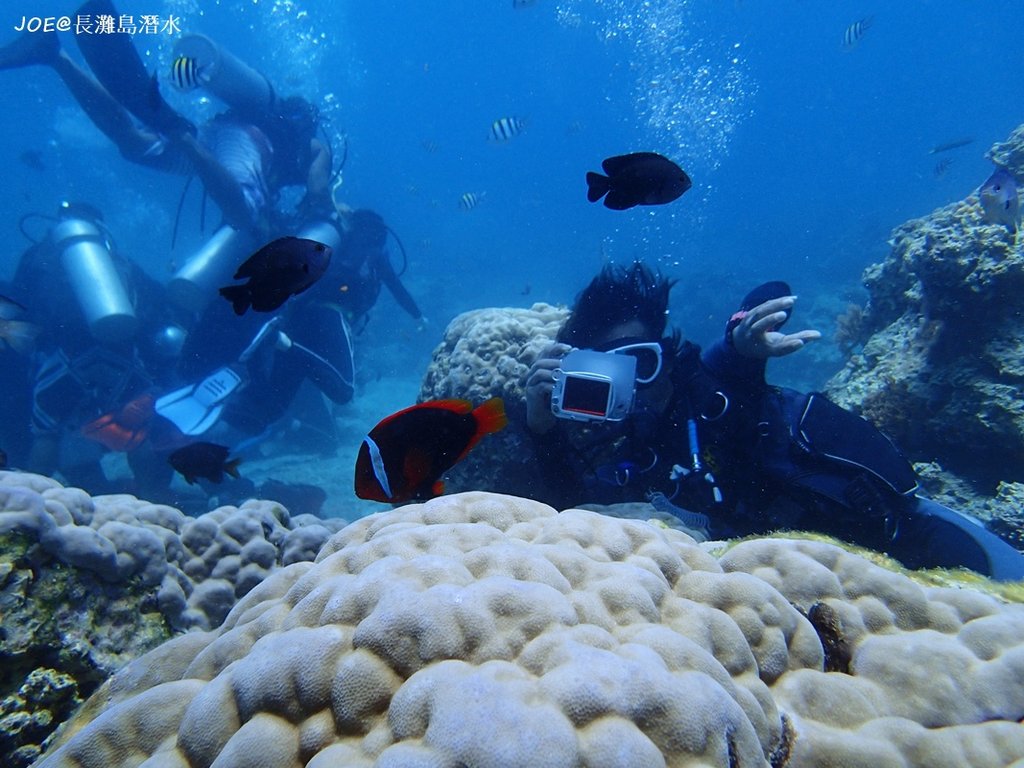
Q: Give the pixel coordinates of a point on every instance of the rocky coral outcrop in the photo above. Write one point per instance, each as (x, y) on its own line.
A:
(195, 567)
(487, 353)
(488, 630)
(941, 367)
(86, 584)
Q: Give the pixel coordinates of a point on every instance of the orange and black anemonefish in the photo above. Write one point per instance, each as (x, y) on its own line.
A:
(406, 454)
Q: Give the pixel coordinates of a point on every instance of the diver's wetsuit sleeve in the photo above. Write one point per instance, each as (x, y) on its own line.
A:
(728, 366)
(402, 296)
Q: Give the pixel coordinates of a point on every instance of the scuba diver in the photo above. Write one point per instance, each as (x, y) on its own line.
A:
(106, 334)
(249, 370)
(244, 401)
(620, 411)
(245, 156)
(361, 265)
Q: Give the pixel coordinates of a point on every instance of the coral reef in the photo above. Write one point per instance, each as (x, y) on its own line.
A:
(28, 717)
(942, 370)
(479, 629)
(86, 584)
(487, 353)
(195, 567)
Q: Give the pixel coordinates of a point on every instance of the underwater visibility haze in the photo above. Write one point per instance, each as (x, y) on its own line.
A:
(416, 196)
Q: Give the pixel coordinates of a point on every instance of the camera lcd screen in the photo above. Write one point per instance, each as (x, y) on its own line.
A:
(584, 395)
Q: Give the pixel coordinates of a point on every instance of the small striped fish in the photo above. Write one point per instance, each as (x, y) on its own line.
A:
(856, 31)
(505, 128)
(185, 73)
(471, 200)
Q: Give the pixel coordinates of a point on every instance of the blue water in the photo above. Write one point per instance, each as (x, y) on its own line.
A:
(803, 155)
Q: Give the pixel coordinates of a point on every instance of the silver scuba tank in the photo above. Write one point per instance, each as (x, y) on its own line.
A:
(85, 257)
(232, 81)
(323, 231)
(210, 268)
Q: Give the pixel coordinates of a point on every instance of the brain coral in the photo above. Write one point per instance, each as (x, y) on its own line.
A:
(198, 566)
(484, 630)
(487, 353)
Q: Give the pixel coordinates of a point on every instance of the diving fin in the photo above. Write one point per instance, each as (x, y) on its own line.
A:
(194, 409)
(116, 63)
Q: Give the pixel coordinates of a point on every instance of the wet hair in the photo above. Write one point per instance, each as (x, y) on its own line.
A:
(618, 295)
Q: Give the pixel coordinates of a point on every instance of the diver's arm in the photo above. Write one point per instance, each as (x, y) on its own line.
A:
(751, 337)
(402, 296)
(318, 180)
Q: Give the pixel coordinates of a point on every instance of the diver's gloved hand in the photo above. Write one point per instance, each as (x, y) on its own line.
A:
(756, 334)
(539, 383)
(422, 323)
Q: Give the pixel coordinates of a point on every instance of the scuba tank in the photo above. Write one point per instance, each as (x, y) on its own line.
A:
(323, 231)
(210, 268)
(232, 81)
(85, 255)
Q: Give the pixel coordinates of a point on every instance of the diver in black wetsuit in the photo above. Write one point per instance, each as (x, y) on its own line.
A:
(360, 267)
(106, 340)
(707, 433)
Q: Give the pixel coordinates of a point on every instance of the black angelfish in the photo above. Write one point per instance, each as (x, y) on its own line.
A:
(206, 460)
(279, 270)
(642, 178)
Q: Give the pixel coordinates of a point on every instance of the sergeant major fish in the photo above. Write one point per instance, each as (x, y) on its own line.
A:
(185, 73)
(855, 32)
(470, 200)
(506, 128)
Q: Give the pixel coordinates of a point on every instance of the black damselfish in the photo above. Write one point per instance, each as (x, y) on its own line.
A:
(206, 460)
(279, 270)
(641, 178)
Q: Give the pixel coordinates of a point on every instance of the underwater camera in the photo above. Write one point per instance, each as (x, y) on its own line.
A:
(594, 386)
